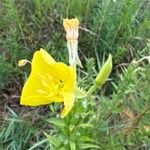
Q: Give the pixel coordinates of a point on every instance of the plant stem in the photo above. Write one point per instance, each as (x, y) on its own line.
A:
(135, 123)
(92, 89)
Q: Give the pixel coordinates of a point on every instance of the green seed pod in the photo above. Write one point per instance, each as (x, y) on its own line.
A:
(104, 72)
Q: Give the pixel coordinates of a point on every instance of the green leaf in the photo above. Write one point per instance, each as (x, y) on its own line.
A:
(85, 125)
(38, 144)
(72, 145)
(79, 93)
(52, 140)
(117, 110)
(85, 146)
(62, 148)
(57, 122)
(85, 139)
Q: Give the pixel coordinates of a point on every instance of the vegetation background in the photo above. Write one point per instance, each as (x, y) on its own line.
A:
(118, 118)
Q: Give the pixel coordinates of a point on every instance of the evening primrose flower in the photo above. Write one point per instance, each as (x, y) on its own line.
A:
(71, 27)
(49, 81)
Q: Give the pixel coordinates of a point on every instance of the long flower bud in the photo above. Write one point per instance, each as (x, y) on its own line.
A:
(104, 72)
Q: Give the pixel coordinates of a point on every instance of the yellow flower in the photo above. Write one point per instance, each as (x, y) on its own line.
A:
(48, 82)
(71, 27)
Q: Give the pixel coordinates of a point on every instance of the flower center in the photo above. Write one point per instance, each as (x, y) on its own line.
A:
(50, 86)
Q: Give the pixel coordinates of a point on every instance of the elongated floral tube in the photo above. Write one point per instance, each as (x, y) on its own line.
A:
(104, 72)
(73, 53)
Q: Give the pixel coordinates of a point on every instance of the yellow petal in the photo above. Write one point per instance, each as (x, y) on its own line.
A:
(68, 104)
(34, 92)
(71, 80)
(41, 61)
(37, 91)
(34, 100)
(46, 56)
(65, 73)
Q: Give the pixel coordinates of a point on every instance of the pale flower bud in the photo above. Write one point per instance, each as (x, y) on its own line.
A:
(22, 62)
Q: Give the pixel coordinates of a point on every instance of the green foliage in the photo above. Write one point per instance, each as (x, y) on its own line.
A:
(121, 118)
(74, 131)
(16, 133)
(6, 71)
(115, 116)
(19, 132)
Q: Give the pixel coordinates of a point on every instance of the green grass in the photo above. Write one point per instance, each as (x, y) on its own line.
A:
(115, 116)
